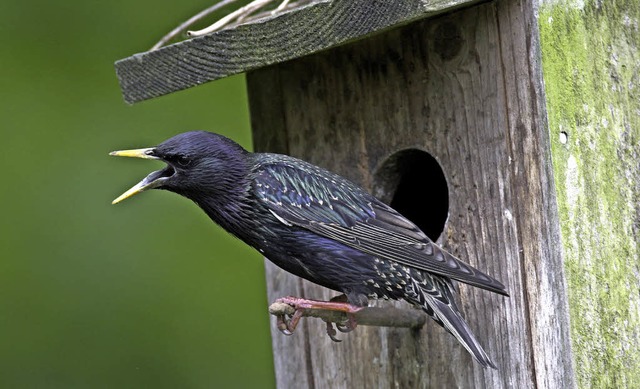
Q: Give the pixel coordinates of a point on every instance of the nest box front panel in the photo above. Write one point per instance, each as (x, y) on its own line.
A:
(419, 116)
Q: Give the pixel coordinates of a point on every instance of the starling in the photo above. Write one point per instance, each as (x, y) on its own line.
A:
(316, 225)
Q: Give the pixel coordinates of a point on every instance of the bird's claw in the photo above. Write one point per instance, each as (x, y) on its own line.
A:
(283, 326)
(287, 326)
(349, 326)
(331, 331)
(345, 327)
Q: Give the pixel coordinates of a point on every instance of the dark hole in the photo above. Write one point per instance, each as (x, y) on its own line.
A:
(413, 183)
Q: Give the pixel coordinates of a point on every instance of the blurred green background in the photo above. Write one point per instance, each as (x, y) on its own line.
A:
(148, 293)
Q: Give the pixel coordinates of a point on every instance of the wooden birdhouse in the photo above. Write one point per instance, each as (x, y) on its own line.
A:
(509, 131)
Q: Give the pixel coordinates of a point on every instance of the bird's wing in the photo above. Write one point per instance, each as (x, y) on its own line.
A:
(327, 204)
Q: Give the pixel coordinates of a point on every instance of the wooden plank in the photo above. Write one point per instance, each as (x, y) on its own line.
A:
(270, 112)
(465, 87)
(590, 56)
(273, 40)
(533, 186)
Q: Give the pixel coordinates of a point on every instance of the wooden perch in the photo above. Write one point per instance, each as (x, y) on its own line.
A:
(372, 316)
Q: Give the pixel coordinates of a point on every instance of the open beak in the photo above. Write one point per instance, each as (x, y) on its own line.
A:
(151, 181)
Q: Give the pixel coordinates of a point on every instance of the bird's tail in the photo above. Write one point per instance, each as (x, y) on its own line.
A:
(436, 300)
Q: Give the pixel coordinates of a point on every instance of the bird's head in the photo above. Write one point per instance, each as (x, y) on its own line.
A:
(198, 163)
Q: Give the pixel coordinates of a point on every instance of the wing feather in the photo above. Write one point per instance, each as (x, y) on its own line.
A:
(304, 195)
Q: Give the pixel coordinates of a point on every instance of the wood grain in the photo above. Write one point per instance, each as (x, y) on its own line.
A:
(269, 41)
(467, 88)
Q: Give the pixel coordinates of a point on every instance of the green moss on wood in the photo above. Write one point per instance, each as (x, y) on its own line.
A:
(591, 65)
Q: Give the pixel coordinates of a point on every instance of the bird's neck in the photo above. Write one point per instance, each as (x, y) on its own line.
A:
(231, 215)
(230, 207)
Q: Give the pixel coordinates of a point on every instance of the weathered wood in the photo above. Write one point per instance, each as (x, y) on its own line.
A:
(273, 40)
(465, 87)
(591, 55)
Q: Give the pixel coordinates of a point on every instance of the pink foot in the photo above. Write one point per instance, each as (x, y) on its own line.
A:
(301, 305)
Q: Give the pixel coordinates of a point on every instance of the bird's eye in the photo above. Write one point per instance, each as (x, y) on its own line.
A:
(183, 160)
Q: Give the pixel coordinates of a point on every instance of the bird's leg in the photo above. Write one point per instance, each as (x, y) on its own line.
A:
(300, 305)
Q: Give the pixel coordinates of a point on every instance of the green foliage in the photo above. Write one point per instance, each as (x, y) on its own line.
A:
(590, 63)
(148, 293)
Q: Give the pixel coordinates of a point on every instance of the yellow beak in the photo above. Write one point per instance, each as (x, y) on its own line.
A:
(151, 181)
(136, 153)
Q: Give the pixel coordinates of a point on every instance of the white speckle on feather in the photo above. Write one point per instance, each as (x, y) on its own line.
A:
(280, 219)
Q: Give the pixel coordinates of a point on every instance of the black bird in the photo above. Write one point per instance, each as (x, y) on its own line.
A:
(316, 225)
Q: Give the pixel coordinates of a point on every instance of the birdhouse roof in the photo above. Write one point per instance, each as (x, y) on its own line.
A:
(267, 41)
